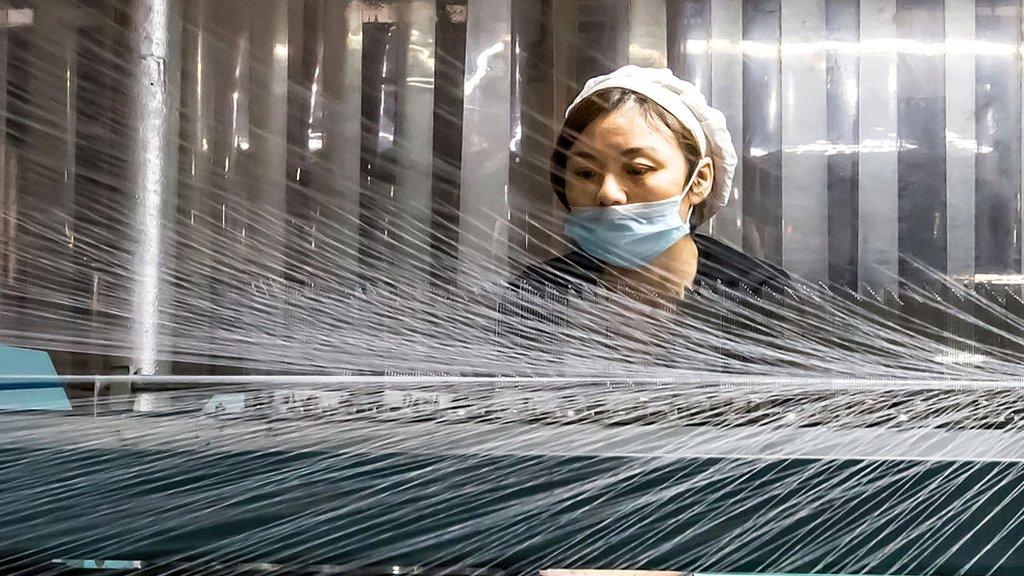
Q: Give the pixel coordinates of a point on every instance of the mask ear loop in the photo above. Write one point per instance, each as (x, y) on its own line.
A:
(689, 185)
(693, 177)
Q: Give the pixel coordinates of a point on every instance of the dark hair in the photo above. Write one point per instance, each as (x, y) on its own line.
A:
(597, 105)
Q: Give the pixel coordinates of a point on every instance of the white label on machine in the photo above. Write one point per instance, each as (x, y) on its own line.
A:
(413, 400)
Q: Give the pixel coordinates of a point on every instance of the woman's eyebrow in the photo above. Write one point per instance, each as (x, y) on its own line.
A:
(636, 151)
(581, 155)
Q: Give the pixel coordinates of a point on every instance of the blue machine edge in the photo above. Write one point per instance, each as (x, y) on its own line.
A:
(28, 381)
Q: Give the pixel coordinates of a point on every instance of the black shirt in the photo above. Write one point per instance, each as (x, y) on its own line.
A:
(719, 266)
(540, 311)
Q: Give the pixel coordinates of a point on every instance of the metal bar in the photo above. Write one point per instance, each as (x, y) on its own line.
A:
(689, 33)
(921, 121)
(727, 90)
(303, 19)
(565, 66)
(414, 137)
(804, 127)
(342, 124)
(6, 191)
(998, 134)
(762, 137)
(565, 46)
(449, 105)
(267, 143)
(877, 201)
(815, 383)
(603, 29)
(484, 218)
(961, 146)
(534, 121)
(647, 33)
(194, 235)
(10, 184)
(44, 119)
(842, 97)
(155, 35)
(379, 79)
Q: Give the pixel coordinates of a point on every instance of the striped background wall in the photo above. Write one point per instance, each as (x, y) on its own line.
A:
(869, 129)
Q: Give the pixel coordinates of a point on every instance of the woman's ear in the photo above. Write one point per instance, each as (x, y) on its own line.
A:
(702, 183)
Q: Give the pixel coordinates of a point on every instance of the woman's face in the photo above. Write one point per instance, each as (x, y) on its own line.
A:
(623, 158)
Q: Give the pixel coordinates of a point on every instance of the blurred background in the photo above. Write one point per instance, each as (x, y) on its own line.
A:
(150, 145)
(265, 190)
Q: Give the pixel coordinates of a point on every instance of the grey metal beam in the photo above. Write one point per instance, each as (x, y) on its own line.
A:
(762, 131)
(726, 94)
(7, 191)
(155, 38)
(343, 56)
(647, 33)
(998, 118)
(843, 91)
(46, 72)
(414, 137)
(804, 128)
(689, 33)
(878, 207)
(265, 144)
(484, 214)
(534, 122)
(921, 120)
(961, 146)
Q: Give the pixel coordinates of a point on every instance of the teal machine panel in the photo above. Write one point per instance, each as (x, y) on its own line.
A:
(28, 381)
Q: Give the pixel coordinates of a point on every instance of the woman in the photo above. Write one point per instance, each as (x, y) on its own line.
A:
(640, 161)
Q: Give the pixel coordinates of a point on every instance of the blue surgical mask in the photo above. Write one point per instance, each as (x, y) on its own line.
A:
(630, 235)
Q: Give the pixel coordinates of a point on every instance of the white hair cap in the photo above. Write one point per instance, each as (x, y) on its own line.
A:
(684, 101)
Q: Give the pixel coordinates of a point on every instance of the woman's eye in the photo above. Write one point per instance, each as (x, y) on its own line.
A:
(638, 170)
(583, 174)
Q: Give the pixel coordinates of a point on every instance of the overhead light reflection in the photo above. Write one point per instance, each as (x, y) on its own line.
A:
(482, 67)
(1000, 279)
(971, 144)
(420, 81)
(315, 141)
(877, 46)
(866, 146)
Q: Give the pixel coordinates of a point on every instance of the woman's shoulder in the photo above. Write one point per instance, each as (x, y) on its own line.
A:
(564, 271)
(720, 266)
(723, 265)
